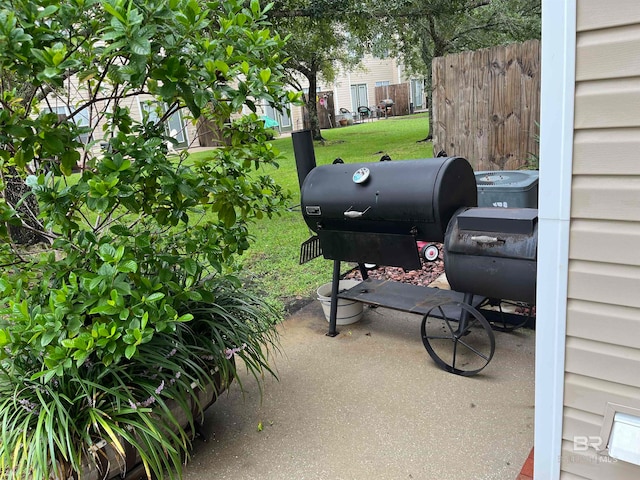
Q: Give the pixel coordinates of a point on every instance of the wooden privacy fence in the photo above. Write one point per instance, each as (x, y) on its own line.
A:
(209, 135)
(400, 95)
(486, 105)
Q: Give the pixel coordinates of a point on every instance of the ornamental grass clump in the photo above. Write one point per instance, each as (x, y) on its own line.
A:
(120, 306)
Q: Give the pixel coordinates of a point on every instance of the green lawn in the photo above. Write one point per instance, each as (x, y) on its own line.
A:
(271, 265)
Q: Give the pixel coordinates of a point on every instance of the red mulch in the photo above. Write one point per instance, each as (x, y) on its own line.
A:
(423, 277)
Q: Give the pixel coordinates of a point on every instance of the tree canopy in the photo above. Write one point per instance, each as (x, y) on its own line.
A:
(323, 36)
(327, 34)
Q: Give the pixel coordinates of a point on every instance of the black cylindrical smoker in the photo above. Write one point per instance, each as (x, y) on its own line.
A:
(493, 252)
(375, 213)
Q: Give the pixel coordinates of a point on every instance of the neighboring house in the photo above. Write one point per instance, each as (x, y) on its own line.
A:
(350, 90)
(588, 328)
(73, 96)
(356, 88)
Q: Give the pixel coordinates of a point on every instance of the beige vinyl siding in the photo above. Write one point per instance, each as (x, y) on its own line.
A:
(596, 14)
(598, 103)
(617, 242)
(375, 70)
(370, 71)
(611, 151)
(606, 197)
(570, 476)
(591, 320)
(603, 54)
(602, 363)
(342, 96)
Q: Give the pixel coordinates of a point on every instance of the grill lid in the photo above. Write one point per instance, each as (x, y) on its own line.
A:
(505, 220)
(409, 197)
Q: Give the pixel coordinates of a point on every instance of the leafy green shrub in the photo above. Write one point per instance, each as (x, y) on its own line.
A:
(57, 425)
(271, 133)
(137, 275)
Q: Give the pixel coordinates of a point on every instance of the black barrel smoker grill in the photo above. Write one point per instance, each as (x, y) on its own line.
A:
(375, 213)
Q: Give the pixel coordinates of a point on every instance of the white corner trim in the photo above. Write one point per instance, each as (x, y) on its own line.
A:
(556, 152)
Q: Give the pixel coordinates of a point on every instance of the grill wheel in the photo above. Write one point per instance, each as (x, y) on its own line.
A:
(458, 338)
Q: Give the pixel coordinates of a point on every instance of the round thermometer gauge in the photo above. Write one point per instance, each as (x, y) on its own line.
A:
(361, 175)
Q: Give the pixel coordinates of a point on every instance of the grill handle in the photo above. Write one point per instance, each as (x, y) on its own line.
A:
(354, 213)
(486, 240)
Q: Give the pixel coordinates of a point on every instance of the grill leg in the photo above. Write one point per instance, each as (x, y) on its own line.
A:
(363, 271)
(464, 314)
(334, 299)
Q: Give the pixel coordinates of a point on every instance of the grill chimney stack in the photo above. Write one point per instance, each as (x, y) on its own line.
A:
(304, 154)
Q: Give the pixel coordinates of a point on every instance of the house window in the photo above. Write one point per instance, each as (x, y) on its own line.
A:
(358, 96)
(177, 128)
(280, 116)
(285, 119)
(81, 119)
(384, 83)
(152, 111)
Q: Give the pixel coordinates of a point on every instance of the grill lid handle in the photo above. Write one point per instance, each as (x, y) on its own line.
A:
(485, 239)
(354, 213)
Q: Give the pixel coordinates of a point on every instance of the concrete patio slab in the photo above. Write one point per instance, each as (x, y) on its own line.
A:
(371, 404)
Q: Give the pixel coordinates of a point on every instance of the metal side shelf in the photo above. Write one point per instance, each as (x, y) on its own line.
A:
(404, 297)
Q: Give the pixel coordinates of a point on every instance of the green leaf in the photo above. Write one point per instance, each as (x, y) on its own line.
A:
(195, 296)
(107, 252)
(128, 266)
(93, 284)
(47, 337)
(130, 351)
(228, 215)
(155, 297)
(101, 204)
(187, 317)
(69, 160)
(190, 266)
(105, 309)
(121, 231)
(113, 12)
(141, 46)
(265, 75)
(47, 11)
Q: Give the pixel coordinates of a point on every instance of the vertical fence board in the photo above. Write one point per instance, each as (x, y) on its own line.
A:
(480, 102)
(486, 105)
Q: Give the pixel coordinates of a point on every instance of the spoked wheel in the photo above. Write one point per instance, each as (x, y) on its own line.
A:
(458, 338)
(506, 322)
